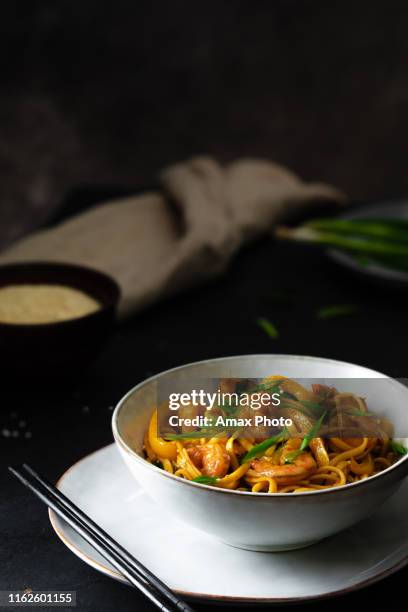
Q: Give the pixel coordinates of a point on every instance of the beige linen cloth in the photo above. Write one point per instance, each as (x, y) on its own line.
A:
(158, 243)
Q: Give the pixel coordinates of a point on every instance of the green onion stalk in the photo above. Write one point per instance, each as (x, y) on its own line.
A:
(384, 242)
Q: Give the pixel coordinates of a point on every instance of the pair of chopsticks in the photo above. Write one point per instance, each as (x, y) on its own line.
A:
(136, 573)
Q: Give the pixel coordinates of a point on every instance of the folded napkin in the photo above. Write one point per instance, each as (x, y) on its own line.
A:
(156, 244)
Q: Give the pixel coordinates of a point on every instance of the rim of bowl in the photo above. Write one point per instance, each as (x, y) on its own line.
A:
(119, 440)
(111, 302)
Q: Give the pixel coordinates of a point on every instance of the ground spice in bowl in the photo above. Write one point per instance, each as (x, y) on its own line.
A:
(36, 304)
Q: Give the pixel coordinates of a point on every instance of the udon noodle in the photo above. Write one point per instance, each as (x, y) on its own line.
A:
(334, 441)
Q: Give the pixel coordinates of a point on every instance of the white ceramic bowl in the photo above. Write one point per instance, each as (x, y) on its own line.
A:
(260, 521)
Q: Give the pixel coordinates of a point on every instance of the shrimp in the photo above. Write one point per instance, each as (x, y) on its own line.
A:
(286, 474)
(212, 459)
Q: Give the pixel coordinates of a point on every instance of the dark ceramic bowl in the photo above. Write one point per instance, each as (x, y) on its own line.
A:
(64, 348)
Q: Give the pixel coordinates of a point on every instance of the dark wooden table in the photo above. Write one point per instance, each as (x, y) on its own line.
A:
(68, 421)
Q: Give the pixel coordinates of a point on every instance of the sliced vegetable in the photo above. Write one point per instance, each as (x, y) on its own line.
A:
(262, 447)
(336, 310)
(167, 450)
(208, 480)
(398, 448)
(356, 412)
(381, 242)
(353, 242)
(313, 432)
(268, 327)
(267, 388)
(290, 457)
(389, 229)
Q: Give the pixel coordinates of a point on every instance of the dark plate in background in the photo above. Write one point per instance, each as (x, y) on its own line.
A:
(374, 272)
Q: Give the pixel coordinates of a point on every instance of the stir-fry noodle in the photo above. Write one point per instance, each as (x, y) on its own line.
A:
(333, 441)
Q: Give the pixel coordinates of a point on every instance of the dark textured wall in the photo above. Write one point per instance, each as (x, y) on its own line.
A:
(109, 92)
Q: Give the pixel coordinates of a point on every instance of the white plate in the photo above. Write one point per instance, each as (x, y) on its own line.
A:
(198, 566)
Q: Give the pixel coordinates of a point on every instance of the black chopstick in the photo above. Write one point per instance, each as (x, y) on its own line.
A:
(104, 537)
(136, 573)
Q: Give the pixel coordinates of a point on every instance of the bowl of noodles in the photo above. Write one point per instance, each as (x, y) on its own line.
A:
(327, 450)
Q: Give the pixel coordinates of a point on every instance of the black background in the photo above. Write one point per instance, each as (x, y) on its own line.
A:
(70, 420)
(113, 91)
(106, 94)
